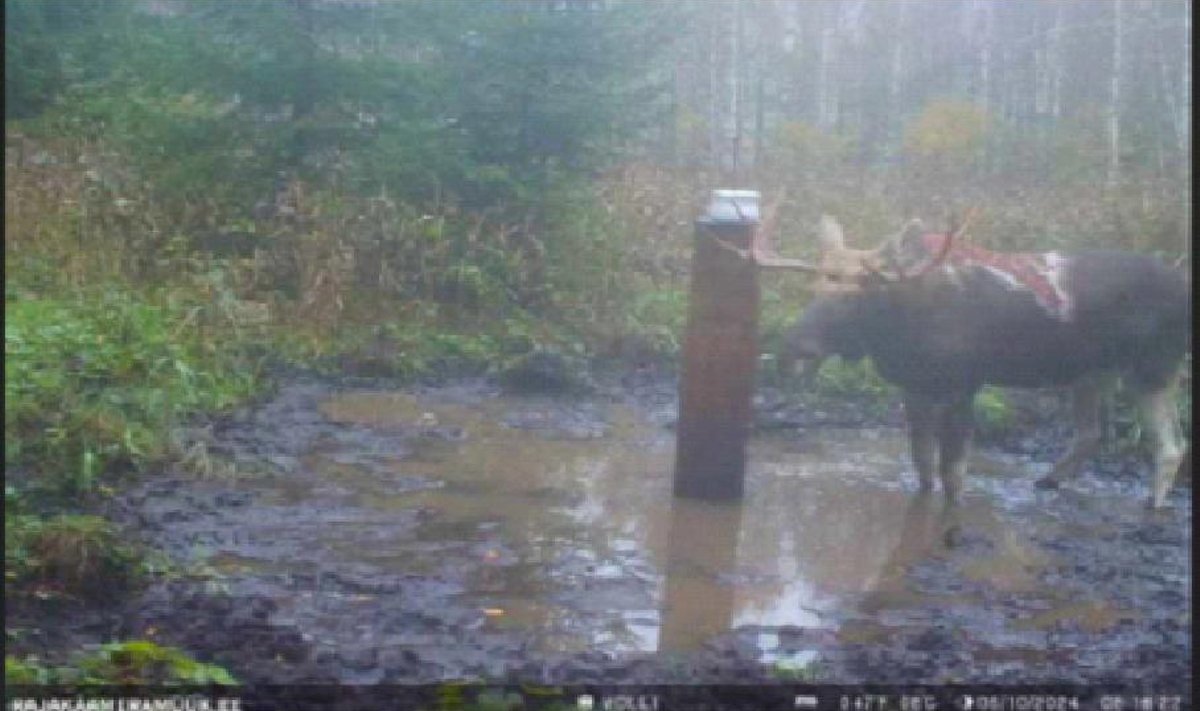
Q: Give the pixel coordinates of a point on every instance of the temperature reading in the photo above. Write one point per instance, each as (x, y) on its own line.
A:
(918, 703)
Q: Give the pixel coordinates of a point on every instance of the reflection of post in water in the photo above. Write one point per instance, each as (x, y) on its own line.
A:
(927, 525)
(701, 545)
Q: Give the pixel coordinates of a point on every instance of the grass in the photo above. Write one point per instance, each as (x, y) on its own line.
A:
(94, 381)
(129, 662)
(76, 555)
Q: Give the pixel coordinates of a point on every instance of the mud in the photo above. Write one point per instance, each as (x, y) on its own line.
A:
(456, 532)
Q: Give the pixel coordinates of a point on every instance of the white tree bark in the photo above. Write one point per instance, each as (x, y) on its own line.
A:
(735, 85)
(1114, 99)
(714, 111)
(1056, 63)
(826, 82)
(985, 59)
(897, 64)
(1184, 116)
(1041, 81)
(1185, 130)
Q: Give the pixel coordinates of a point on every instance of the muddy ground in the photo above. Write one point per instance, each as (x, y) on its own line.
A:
(377, 534)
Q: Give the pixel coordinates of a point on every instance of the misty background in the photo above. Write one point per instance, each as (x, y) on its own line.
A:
(413, 186)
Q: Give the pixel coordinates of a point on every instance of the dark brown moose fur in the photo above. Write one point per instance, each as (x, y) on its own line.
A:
(978, 319)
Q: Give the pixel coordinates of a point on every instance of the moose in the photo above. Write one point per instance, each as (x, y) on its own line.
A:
(940, 318)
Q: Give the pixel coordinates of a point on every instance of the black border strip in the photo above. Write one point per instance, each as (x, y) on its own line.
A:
(649, 697)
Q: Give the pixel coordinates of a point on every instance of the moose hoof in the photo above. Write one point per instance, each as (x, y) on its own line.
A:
(1047, 482)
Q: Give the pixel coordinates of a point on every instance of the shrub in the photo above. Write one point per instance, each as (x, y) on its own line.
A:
(132, 662)
(142, 662)
(82, 556)
(92, 383)
(993, 412)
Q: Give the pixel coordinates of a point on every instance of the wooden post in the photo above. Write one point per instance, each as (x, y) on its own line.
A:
(720, 353)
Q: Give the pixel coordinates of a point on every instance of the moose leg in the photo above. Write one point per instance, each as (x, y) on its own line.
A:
(1162, 419)
(806, 372)
(922, 418)
(1085, 407)
(954, 435)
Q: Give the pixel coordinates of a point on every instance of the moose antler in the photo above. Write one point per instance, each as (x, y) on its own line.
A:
(953, 233)
(761, 254)
(761, 250)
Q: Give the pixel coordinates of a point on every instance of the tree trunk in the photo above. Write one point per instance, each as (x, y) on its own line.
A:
(1185, 127)
(985, 60)
(673, 114)
(826, 82)
(1114, 100)
(895, 78)
(302, 97)
(735, 84)
(714, 111)
(756, 159)
(1056, 64)
(1185, 109)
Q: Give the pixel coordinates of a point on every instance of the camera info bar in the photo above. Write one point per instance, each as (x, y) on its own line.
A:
(599, 697)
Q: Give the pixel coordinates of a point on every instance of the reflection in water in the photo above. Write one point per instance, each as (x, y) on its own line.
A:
(579, 541)
(701, 552)
(927, 522)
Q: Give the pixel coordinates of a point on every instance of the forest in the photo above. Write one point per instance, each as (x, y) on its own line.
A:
(200, 195)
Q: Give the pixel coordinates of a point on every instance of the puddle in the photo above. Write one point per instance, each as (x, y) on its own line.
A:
(478, 532)
(588, 526)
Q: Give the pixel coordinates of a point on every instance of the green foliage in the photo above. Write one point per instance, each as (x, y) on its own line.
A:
(81, 556)
(658, 318)
(421, 351)
(809, 154)
(993, 412)
(483, 102)
(19, 532)
(549, 90)
(130, 662)
(93, 383)
(19, 527)
(793, 673)
(27, 671)
(497, 700)
(424, 344)
(136, 662)
(950, 129)
(859, 378)
(545, 370)
(32, 69)
(42, 43)
(143, 662)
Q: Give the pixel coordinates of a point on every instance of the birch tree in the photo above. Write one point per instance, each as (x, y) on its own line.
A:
(1114, 99)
